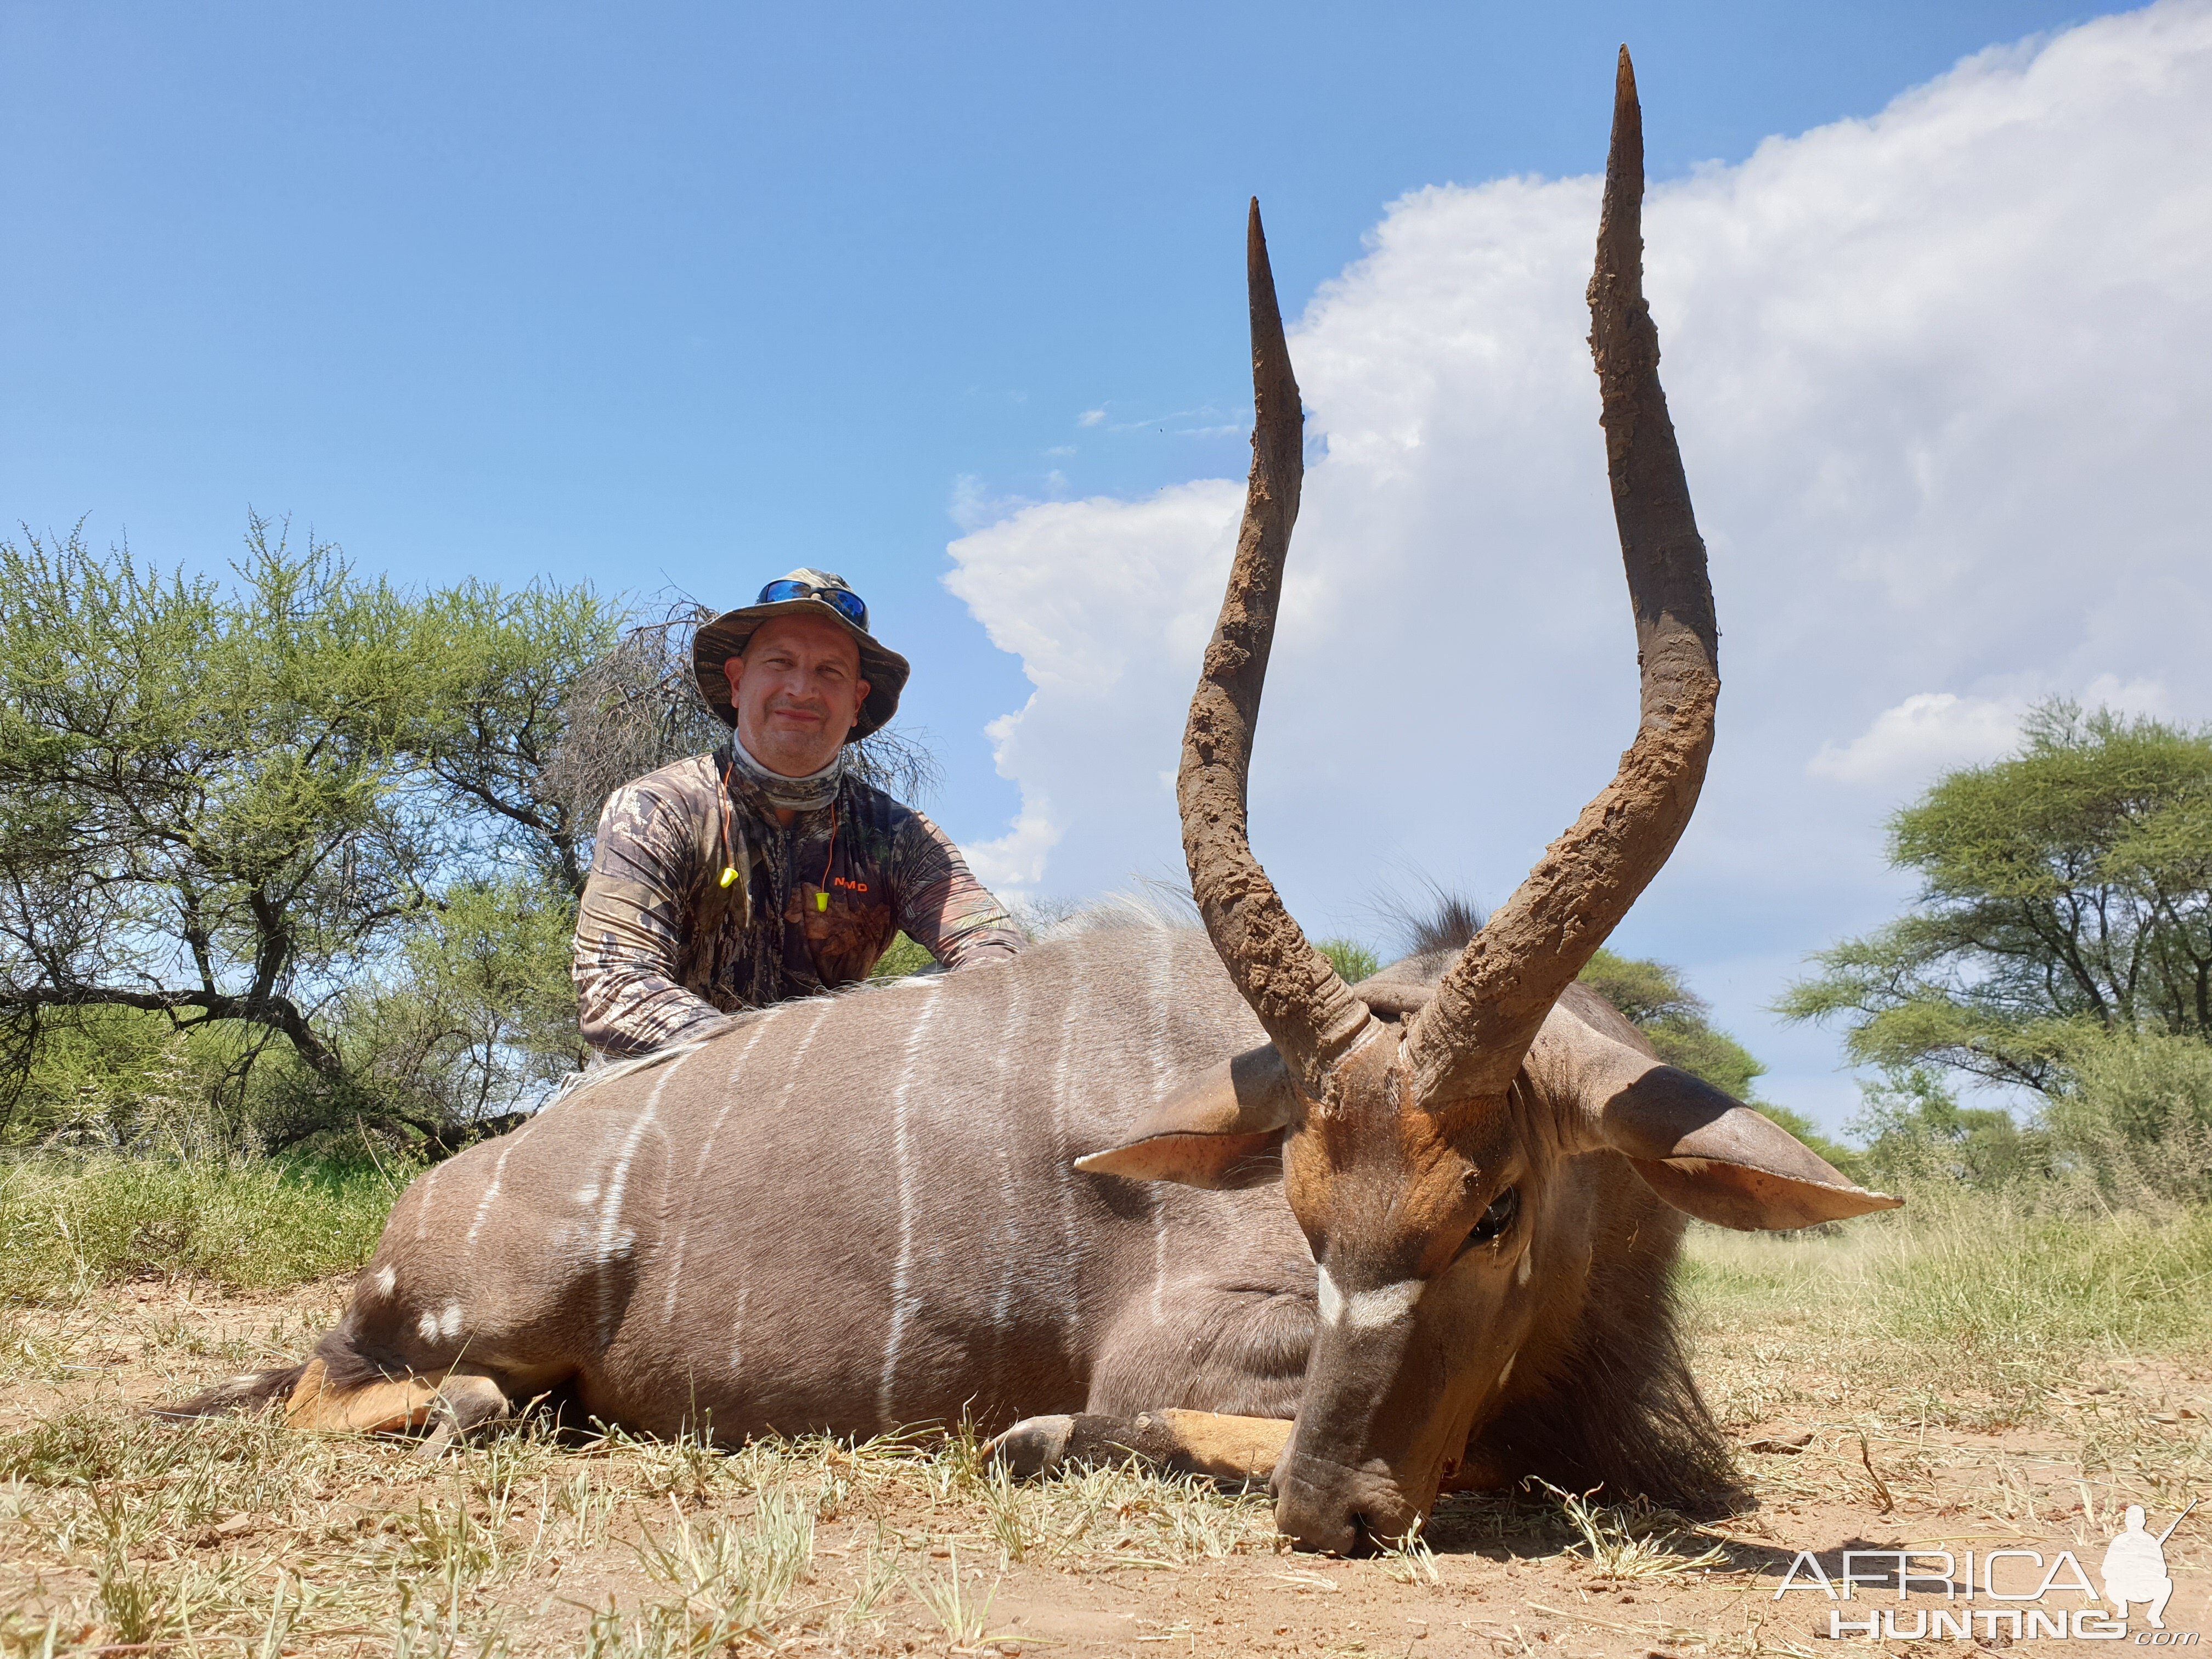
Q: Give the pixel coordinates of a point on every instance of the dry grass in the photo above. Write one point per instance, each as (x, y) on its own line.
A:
(1924, 1412)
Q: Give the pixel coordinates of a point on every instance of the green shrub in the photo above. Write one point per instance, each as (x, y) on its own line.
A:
(1353, 960)
(904, 956)
(1915, 1130)
(244, 1223)
(2133, 1113)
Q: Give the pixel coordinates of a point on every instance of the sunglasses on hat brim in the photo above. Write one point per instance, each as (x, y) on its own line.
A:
(843, 600)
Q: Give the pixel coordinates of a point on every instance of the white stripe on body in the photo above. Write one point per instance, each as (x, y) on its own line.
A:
(1161, 983)
(427, 1186)
(902, 1269)
(1009, 1234)
(706, 1147)
(1063, 1170)
(498, 1177)
(615, 1240)
(1368, 1310)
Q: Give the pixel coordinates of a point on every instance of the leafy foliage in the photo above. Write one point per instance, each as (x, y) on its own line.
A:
(1676, 1020)
(242, 1221)
(2132, 1114)
(251, 808)
(2068, 886)
(901, 957)
(1353, 960)
(195, 810)
(1915, 1129)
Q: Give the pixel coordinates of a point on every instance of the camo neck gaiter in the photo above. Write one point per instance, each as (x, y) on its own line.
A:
(808, 794)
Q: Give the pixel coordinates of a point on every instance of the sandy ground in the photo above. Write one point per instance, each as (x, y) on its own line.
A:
(113, 1539)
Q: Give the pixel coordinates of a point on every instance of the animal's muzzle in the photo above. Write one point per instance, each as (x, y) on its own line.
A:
(1336, 1509)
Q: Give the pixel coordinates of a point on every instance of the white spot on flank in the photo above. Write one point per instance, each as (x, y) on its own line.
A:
(1368, 1310)
(902, 1300)
(738, 1333)
(427, 1328)
(387, 1277)
(449, 1324)
(587, 1195)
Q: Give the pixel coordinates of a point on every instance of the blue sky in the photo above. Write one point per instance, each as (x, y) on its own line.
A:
(695, 292)
(687, 294)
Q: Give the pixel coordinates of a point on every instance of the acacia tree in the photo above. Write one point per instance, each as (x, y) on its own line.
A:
(494, 713)
(1658, 1001)
(2066, 889)
(195, 788)
(229, 804)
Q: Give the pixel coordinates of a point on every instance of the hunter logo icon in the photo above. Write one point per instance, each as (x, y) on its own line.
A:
(2134, 1569)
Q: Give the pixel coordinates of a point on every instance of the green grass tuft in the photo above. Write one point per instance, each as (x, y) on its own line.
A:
(244, 1224)
(1971, 1283)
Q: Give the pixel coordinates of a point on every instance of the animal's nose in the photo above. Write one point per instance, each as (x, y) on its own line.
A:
(1336, 1510)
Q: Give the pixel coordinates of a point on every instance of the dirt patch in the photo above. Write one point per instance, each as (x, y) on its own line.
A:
(118, 1534)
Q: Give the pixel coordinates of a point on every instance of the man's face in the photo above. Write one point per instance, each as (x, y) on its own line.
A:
(797, 692)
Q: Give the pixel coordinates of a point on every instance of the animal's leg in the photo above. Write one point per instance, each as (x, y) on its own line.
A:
(464, 1404)
(1233, 1355)
(1183, 1442)
(380, 1405)
(450, 1403)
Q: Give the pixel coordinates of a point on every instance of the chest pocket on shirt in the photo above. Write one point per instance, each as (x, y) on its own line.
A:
(845, 935)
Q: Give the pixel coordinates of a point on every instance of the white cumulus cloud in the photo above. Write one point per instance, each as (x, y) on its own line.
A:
(1942, 382)
(1927, 733)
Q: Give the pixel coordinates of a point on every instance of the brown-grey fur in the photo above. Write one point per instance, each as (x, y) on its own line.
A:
(715, 1239)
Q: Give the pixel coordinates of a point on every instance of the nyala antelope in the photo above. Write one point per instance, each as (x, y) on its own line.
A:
(1361, 1241)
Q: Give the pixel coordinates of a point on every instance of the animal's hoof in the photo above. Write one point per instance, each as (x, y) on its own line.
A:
(1033, 1446)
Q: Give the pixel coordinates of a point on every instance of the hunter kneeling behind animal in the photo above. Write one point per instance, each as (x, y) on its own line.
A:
(767, 871)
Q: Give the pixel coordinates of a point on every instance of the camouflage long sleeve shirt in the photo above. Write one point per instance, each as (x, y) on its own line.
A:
(665, 950)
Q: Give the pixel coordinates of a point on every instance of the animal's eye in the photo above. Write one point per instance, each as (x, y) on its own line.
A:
(1498, 1217)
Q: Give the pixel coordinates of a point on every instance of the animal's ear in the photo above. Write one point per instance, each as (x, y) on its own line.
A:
(1224, 1129)
(1711, 1156)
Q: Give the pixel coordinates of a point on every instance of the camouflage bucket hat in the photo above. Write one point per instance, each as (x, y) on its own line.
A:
(803, 592)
